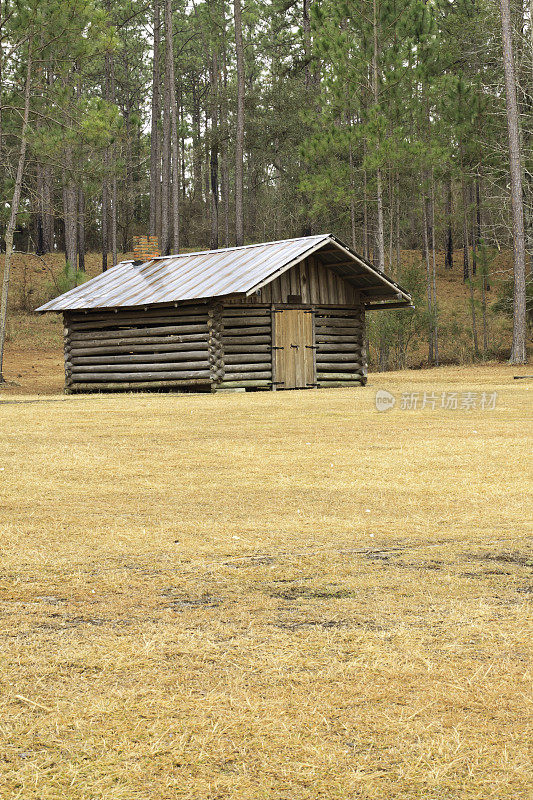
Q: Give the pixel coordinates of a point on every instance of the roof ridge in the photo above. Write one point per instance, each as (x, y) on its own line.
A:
(240, 247)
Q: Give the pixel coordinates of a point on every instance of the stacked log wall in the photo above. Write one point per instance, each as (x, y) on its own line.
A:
(247, 347)
(202, 347)
(137, 349)
(339, 342)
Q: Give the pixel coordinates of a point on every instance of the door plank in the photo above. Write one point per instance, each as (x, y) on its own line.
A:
(309, 360)
(294, 356)
(297, 347)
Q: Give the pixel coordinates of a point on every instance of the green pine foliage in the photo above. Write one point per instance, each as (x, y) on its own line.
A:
(325, 132)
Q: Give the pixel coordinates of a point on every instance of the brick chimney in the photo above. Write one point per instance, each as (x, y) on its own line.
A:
(145, 248)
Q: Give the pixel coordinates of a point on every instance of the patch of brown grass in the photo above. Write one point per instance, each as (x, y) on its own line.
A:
(35, 279)
(273, 595)
(34, 371)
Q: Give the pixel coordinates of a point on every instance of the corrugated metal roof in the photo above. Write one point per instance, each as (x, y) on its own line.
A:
(204, 275)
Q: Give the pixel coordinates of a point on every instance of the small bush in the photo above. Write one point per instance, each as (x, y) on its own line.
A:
(504, 304)
(393, 334)
(26, 289)
(68, 278)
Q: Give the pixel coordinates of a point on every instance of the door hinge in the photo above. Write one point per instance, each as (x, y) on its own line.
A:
(296, 346)
(310, 346)
(275, 347)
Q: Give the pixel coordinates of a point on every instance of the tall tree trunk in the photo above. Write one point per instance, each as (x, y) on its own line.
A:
(484, 308)
(1, 84)
(518, 350)
(48, 194)
(105, 183)
(105, 218)
(391, 216)
(174, 134)
(352, 190)
(434, 271)
(307, 41)
(448, 246)
(380, 231)
(473, 313)
(467, 276)
(224, 149)
(70, 213)
(474, 228)
(165, 173)
(239, 140)
(15, 202)
(425, 240)
(528, 173)
(127, 183)
(182, 149)
(114, 222)
(48, 211)
(478, 210)
(110, 93)
(39, 222)
(366, 249)
(466, 257)
(474, 321)
(305, 199)
(213, 158)
(479, 234)
(196, 153)
(207, 170)
(397, 226)
(155, 155)
(224, 137)
(81, 229)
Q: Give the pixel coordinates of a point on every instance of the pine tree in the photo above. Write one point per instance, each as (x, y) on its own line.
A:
(518, 350)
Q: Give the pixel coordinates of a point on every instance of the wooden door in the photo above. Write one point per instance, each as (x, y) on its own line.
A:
(294, 360)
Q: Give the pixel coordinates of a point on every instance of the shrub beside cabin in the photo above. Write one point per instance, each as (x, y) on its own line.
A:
(279, 315)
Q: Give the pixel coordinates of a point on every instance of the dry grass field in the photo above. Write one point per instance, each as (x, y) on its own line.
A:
(271, 596)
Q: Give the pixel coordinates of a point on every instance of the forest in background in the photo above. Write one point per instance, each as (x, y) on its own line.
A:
(210, 124)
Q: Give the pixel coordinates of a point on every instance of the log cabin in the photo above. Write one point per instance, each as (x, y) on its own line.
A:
(278, 315)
